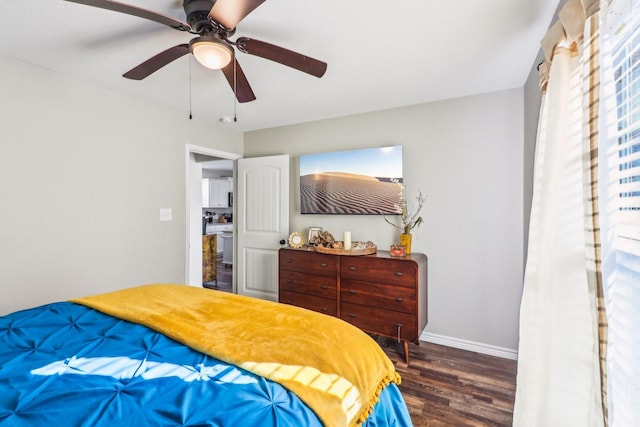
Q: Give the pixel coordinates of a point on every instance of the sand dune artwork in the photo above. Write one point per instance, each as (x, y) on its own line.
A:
(358, 182)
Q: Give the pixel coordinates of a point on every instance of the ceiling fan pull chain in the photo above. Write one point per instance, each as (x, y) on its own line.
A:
(190, 91)
(235, 88)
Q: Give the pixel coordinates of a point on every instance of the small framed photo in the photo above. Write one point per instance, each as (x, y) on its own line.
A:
(313, 233)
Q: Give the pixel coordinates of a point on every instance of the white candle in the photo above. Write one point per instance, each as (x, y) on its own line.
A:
(347, 240)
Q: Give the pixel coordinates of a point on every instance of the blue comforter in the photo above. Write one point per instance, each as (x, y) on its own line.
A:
(64, 364)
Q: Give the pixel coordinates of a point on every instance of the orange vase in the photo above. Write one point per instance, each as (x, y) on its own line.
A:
(405, 240)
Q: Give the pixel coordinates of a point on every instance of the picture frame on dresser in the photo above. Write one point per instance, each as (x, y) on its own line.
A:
(313, 232)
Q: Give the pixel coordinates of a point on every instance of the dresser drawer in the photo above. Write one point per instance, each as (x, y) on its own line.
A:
(308, 262)
(380, 296)
(321, 305)
(380, 322)
(310, 284)
(392, 271)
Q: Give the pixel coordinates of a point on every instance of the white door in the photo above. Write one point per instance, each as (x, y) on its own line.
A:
(262, 221)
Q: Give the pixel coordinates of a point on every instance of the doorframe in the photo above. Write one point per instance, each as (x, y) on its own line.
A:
(193, 240)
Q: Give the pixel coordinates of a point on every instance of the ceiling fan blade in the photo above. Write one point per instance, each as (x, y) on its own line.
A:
(283, 56)
(229, 13)
(153, 64)
(239, 84)
(136, 11)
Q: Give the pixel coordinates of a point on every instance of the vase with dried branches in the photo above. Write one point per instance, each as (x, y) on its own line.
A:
(409, 220)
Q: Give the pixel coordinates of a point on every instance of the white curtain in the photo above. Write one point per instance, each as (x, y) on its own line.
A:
(560, 369)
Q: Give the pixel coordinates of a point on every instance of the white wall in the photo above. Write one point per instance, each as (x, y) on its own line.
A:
(466, 155)
(83, 175)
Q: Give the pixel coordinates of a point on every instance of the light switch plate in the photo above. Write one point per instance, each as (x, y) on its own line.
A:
(166, 214)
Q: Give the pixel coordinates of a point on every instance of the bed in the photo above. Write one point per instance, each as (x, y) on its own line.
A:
(175, 355)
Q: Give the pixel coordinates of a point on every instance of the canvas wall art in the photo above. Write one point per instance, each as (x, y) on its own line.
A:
(356, 182)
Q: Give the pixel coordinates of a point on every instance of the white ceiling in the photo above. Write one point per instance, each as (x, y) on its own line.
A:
(380, 54)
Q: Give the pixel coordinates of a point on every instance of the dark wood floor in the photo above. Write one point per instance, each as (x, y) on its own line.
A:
(445, 386)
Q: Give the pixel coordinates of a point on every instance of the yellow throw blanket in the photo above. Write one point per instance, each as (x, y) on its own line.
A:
(335, 368)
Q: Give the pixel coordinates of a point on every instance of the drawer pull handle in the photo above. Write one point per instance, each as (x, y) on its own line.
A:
(399, 299)
(324, 287)
(352, 315)
(352, 268)
(289, 260)
(288, 301)
(324, 264)
(352, 292)
(399, 273)
(289, 281)
(399, 325)
(324, 309)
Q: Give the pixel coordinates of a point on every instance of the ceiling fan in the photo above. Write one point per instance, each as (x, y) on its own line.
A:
(214, 21)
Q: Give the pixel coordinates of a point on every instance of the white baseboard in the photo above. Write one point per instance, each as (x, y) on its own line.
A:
(477, 347)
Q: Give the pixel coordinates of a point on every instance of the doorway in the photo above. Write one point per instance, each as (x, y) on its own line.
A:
(196, 157)
(217, 209)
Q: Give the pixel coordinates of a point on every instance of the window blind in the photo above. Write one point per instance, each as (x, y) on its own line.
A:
(621, 205)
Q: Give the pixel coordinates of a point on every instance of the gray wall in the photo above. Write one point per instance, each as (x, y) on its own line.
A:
(532, 101)
(466, 155)
(83, 175)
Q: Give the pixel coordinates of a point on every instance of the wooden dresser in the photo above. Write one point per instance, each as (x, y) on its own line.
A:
(377, 293)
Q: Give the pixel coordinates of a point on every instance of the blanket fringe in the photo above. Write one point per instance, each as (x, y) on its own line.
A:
(366, 412)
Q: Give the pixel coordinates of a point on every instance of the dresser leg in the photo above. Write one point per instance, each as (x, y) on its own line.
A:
(405, 346)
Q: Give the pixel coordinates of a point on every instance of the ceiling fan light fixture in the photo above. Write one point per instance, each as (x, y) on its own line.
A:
(211, 52)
